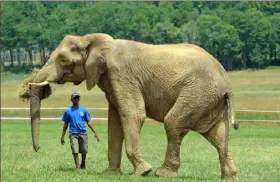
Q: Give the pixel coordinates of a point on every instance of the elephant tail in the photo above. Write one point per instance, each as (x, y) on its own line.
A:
(230, 111)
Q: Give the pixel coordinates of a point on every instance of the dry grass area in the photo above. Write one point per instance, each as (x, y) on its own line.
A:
(252, 90)
(60, 96)
(256, 90)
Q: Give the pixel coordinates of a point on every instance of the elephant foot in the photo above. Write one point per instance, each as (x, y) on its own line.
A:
(166, 172)
(229, 171)
(143, 169)
(229, 177)
(112, 171)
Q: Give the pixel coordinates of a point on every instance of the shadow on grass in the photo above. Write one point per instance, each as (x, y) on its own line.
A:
(152, 177)
(71, 169)
(185, 178)
(195, 178)
(149, 177)
(66, 169)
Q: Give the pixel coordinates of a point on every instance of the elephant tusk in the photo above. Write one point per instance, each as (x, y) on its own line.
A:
(40, 84)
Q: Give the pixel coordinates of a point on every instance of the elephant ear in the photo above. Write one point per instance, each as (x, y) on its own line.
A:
(98, 48)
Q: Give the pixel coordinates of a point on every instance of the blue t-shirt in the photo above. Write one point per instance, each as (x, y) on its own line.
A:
(76, 117)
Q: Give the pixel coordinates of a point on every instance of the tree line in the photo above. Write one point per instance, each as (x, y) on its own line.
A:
(240, 35)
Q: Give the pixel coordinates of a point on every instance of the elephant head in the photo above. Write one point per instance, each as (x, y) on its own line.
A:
(77, 58)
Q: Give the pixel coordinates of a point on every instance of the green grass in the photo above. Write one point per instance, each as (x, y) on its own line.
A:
(255, 152)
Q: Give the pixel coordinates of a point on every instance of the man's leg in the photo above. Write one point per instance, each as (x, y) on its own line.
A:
(83, 163)
(83, 145)
(75, 150)
(76, 159)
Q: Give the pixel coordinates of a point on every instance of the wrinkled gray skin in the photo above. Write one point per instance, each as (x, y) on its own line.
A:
(180, 85)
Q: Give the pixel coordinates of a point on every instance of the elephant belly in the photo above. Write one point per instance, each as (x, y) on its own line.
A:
(157, 108)
(159, 99)
(154, 115)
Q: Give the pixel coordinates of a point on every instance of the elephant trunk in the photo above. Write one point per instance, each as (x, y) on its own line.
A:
(35, 104)
(35, 88)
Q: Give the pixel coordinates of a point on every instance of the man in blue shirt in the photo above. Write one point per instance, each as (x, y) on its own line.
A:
(76, 116)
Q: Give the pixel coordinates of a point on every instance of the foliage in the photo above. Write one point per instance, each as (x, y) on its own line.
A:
(240, 35)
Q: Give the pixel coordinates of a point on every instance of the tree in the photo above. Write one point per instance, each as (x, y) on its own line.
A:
(254, 29)
(240, 34)
(30, 26)
(166, 32)
(220, 39)
(275, 45)
(190, 32)
(10, 34)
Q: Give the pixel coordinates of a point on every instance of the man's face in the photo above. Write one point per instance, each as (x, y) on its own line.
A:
(75, 100)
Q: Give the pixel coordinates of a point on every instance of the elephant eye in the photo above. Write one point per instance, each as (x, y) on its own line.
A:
(74, 49)
(63, 61)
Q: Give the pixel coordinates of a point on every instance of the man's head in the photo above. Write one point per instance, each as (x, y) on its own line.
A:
(75, 98)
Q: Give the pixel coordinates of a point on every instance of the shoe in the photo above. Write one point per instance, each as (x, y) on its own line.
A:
(83, 165)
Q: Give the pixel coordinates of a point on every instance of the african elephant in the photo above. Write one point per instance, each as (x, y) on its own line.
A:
(180, 85)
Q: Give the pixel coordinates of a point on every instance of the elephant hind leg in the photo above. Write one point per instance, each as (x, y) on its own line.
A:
(177, 123)
(218, 136)
(176, 128)
(172, 156)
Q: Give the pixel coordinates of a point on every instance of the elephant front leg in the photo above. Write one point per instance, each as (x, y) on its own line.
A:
(115, 141)
(132, 127)
(131, 109)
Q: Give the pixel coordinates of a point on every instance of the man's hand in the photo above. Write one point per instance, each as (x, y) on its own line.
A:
(62, 141)
(65, 126)
(96, 136)
(92, 129)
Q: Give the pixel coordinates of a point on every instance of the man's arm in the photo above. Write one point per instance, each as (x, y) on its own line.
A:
(90, 125)
(65, 119)
(65, 126)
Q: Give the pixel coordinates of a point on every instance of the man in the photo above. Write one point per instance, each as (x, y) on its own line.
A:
(77, 116)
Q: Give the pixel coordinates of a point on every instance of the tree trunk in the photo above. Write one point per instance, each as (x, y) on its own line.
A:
(44, 55)
(30, 56)
(18, 56)
(11, 57)
(25, 57)
(275, 56)
(41, 56)
(7, 56)
(244, 57)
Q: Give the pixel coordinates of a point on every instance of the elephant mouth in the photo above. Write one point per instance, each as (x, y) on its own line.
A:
(77, 82)
(61, 80)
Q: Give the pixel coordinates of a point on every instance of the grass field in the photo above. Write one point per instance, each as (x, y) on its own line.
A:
(255, 146)
(256, 154)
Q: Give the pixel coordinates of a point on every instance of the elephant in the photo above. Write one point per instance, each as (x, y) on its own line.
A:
(180, 85)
